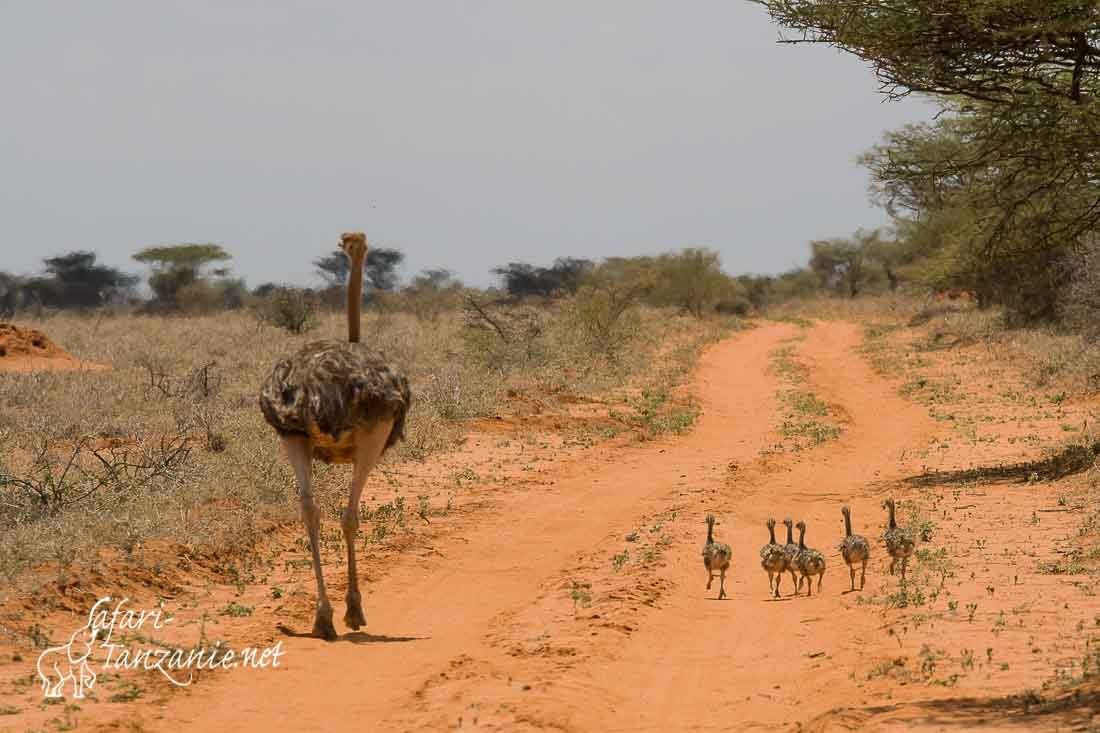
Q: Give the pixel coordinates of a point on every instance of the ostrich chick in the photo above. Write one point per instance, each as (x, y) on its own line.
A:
(854, 549)
(899, 541)
(716, 558)
(810, 562)
(773, 559)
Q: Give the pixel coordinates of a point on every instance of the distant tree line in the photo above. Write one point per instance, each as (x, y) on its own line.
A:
(196, 277)
(74, 280)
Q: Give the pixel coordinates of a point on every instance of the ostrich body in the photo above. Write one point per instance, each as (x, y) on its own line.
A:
(716, 558)
(854, 549)
(773, 559)
(336, 402)
(899, 542)
(810, 562)
(790, 553)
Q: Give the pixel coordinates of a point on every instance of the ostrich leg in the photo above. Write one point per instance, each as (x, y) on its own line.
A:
(369, 444)
(299, 453)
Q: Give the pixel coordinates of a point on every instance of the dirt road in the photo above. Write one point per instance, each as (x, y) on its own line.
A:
(449, 644)
(578, 603)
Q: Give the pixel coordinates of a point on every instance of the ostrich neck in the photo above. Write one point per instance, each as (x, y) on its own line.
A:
(355, 297)
(771, 531)
(893, 523)
(802, 538)
(710, 534)
(848, 525)
(790, 536)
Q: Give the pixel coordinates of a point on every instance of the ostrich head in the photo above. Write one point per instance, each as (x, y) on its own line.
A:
(354, 245)
(788, 522)
(845, 511)
(770, 523)
(801, 526)
(711, 520)
(888, 504)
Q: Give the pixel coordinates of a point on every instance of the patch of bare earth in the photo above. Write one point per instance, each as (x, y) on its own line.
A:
(31, 350)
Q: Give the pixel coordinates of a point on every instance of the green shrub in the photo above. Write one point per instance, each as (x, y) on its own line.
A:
(290, 308)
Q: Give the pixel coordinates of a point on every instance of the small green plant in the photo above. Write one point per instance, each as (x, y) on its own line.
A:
(652, 413)
(466, 476)
(38, 636)
(69, 721)
(618, 561)
(236, 610)
(128, 692)
(276, 592)
(581, 595)
(928, 659)
(907, 595)
(806, 403)
(971, 609)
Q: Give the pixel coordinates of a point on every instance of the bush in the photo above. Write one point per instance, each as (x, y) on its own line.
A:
(1079, 299)
(290, 308)
(205, 296)
(737, 306)
(505, 337)
(607, 317)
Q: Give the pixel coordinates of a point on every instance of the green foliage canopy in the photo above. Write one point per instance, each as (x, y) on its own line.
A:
(1004, 52)
(183, 256)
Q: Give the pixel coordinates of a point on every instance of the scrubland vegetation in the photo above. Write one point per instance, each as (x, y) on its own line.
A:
(167, 443)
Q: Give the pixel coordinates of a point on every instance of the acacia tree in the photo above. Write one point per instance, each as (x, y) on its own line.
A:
(988, 209)
(1005, 181)
(521, 279)
(840, 263)
(178, 266)
(432, 292)
(693, 280)
(1009, 53)
(77, 280)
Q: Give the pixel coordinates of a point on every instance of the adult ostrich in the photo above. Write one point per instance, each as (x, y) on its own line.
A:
(336, 402)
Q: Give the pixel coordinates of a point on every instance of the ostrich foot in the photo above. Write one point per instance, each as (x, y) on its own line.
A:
(354, 617)
(322, 625)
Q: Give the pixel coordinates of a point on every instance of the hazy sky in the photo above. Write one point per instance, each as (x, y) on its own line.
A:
(467, 134)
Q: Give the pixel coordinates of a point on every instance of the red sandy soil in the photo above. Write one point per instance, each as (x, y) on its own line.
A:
(483, 623)
(30, 350)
